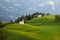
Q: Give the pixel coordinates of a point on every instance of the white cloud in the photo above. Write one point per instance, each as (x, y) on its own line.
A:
(41, 5)
(17, 4)
(8, 0)
(10, 7)
(51, 3)
(12, 16)
(31, 8)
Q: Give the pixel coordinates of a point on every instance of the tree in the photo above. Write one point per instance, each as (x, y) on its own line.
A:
(57, 18)
(43, 14)
(28, 17)
(11, 21)
(17, 20)
(2, 34)
(47, 14)
(1, 24)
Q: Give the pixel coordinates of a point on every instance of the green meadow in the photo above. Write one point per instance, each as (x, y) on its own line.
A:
(40, 28)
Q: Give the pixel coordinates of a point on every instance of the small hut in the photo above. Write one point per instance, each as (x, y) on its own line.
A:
(21, 22)
(39, 15)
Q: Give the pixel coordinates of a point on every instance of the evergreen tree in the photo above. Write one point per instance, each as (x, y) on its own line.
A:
(11, 21)
(17, 20)
(48, 14)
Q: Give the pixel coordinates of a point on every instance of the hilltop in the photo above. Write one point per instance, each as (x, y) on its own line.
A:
(46, 30)
(45, 20)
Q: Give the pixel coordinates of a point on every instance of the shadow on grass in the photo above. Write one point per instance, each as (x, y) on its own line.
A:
(2, 34)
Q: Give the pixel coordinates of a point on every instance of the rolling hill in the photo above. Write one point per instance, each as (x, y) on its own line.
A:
(22, 32)
(46, 30)
(45, 20)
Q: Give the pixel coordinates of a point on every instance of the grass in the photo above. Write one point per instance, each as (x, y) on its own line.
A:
(48, 19)
(22, 32)
(28, 32)
(43, 28)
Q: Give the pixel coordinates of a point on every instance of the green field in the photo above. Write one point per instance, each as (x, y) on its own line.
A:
(43, 28)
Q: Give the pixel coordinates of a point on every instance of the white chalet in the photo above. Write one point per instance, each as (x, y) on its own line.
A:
(39, 15)
(21, 22)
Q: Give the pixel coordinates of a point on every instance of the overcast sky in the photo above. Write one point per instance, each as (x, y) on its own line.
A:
(15, 8)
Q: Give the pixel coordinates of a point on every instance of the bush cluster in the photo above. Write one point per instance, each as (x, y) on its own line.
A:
(57, 18)
(1, 24)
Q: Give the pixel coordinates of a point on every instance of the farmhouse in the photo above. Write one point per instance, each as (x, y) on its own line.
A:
(21, 22)
(39, 15)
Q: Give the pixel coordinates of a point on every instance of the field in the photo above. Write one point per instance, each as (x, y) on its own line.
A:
(44, 28)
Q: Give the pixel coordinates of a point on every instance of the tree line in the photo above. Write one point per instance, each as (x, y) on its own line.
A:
(29, 17)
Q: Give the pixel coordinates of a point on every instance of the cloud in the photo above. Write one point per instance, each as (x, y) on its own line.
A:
(0, 12)
(12, 10)
(8, 0)
(1, 15)
(51, 3)
(17, 5)
(1, 4)
(7, 9)
(41, 5)
(10, 7)
(12, 16)
(23, 0)
(2, 7)
(31, 8)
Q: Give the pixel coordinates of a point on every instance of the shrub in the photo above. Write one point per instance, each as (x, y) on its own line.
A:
(47, 14)
(2, 34)
(1, 24)
(57, 18)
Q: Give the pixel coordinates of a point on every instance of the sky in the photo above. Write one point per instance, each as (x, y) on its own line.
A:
(11, 9)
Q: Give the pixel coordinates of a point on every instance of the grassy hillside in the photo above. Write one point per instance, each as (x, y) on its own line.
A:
(48, 19)
(44, 28)
(28, 32)
(22, 32)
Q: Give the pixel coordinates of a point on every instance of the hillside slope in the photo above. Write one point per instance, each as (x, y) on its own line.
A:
(44, 28)
(47, 19)
(28, 32)
(22, 32)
